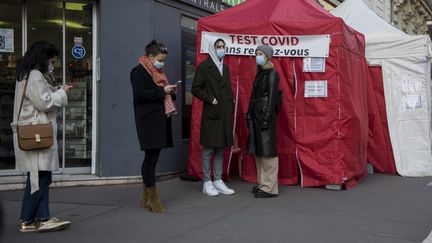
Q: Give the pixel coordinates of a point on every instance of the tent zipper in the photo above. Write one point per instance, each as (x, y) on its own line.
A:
(295, 120)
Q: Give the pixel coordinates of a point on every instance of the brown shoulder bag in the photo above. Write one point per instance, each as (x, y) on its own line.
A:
(33, 137)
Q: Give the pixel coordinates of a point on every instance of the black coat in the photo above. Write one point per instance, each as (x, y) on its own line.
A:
(153, 126)
(216, 120)
(262, 116)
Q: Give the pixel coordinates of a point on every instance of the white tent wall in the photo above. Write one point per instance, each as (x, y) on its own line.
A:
(407, 96)
(406, 67)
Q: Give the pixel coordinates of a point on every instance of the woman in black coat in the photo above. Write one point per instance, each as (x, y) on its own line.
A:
(153, 100)
(261, 119)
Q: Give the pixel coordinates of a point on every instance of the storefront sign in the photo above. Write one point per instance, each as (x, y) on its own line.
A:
(283, 45)
(6, 40)
(213, 6)
(315, 88)
(78, 51)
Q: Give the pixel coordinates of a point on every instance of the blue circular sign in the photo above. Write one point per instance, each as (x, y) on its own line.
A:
(78, 51)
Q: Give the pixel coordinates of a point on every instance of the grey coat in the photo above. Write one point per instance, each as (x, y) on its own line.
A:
(216, 120)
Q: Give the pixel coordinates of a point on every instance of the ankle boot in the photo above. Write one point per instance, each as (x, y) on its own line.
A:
(144, 199)
(153, 201)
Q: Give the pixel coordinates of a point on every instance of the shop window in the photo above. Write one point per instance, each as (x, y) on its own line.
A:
(69, 26)
(10, 52)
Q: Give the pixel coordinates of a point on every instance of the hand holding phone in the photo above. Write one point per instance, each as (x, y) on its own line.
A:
(72, 84)
(170, 89)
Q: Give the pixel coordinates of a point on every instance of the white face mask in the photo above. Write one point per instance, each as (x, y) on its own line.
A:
(158, 65)
(260, 60)
(220, 53)
(50, 67)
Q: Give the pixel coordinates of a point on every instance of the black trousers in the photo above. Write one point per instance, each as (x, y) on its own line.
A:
(148, 168)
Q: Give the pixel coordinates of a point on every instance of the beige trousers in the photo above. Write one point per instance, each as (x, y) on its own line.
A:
(267, 173)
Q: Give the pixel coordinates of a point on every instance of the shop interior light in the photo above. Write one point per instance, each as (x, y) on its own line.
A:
(75, 6)
(69, 24)
(69, 6)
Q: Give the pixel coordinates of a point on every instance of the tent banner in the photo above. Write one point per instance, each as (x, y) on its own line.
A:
(283, 45)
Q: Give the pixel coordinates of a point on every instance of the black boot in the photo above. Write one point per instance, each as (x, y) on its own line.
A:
(262, 194)
(255, 189)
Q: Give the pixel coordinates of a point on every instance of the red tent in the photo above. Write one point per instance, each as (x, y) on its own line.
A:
(321, 140)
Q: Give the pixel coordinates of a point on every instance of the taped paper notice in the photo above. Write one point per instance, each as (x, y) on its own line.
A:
(412, 90)
(315, 88)
(6, 40)
(412, 101)
(314, 64)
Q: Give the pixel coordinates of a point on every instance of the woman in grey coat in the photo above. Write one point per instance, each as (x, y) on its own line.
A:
(40, 105)
(261, 119)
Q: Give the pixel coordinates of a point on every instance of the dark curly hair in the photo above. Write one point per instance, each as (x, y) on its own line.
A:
(36, 58)
(153, 48)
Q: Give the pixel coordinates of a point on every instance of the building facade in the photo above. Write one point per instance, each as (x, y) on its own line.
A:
(97, 133)
(410, 16)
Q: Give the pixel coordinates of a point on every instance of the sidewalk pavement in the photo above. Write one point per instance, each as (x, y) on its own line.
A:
(381, 208)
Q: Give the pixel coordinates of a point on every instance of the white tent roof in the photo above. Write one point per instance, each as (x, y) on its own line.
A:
(360, 17)
(382, 39)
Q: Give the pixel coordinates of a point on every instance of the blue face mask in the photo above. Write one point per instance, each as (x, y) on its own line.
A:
(220, 53)
(158, 65)
(260, 60)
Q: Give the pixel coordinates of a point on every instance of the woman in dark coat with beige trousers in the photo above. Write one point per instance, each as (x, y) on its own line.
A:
(153, 102)
(261, 119)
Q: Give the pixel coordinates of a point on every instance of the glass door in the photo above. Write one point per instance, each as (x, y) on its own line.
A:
(69, 26)
(79, 62)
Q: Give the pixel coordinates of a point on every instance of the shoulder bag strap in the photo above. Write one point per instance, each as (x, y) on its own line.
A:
(22, 99)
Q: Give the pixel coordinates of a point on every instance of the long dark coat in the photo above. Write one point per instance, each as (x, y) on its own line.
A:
(217, 120)
(261, 116)
(153, 126)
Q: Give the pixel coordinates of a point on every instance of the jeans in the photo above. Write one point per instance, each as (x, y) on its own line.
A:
(35, 206)
(148, 168)
(207, 153)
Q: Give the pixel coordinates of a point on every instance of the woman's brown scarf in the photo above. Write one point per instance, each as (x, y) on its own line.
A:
(161, 80)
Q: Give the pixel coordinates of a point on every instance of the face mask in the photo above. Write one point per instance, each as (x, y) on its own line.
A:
(260, 60)
(158, 65)
(50, 68)
(220, 53)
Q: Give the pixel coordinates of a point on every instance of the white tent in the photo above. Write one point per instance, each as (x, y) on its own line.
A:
(405, 62)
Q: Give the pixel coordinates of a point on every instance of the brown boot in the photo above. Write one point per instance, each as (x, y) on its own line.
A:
(144, 199)
(153, 201)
